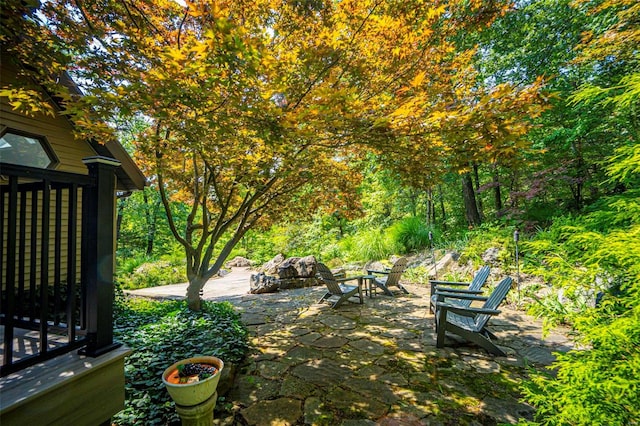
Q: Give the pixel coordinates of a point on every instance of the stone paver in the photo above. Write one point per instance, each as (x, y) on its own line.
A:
(277, 412)
(374, 363)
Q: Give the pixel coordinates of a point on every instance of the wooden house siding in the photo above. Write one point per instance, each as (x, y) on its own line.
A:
(59, 132)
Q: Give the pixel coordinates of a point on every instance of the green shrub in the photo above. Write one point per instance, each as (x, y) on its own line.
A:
(127, 265)
(417, 275)
(299, 239)
(331, 251)
(488, 236)
(153, 274)
(161, 333)
(586, 255)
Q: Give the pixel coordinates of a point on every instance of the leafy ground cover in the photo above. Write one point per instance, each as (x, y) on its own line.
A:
(160, 333)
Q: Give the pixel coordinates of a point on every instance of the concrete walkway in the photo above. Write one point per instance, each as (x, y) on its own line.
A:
(370, 364)
(231, 286)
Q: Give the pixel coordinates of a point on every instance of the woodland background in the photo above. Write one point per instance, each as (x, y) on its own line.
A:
(350, 130)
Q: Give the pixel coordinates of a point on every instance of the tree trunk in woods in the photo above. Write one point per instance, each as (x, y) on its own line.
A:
(444, 213)
(469, 199)
(433, 212)
(430, 208)
(414, 202)
(477, 190)
(581, 175)
(513, 186)
(151, 223)
(496, 189)
(119, 218)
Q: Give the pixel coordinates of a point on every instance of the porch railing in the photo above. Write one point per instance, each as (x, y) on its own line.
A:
(52, 286)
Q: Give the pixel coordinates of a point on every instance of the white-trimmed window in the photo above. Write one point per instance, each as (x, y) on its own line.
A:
(24, 149)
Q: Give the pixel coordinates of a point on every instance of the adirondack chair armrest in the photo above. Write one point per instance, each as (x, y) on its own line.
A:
(436, 282)
(441, 295)
(342, 280)
(457, 290)
(465, 311)
(371, 272)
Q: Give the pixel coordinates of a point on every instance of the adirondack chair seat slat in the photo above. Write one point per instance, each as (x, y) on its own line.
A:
(467, 323)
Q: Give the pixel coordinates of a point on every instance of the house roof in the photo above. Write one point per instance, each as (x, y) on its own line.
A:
(130, 177)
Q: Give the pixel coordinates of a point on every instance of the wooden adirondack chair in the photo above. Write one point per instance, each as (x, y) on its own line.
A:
(468, 322)
(474, 287)
(336, 288)
(391, 278)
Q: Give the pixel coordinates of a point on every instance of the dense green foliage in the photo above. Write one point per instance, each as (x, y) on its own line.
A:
(144, 271)
(597, 254)
(143, 226)
(572, 191)
(161, 333)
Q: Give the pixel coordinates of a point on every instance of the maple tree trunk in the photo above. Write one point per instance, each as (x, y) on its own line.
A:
(469, 199)
(193, 293)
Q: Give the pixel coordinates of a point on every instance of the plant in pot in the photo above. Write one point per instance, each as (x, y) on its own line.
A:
(193, 381)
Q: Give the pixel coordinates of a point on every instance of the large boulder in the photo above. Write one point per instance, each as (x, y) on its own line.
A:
(443, 264)
(271, 267)
(261, 283)
(287, 268)
(375, 266)
(238, 262)
(298, 267)
(490, 256)
(290, 283)
(282, 274)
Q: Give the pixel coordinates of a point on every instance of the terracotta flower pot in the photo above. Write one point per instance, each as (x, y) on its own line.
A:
(189, 394)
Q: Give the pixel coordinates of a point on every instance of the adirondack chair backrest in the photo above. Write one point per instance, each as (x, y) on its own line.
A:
(396, 271)
(494, 301)
(328, 278)
(478, 281)
(480, 278)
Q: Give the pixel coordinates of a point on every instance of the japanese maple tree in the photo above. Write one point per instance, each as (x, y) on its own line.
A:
(256, 109)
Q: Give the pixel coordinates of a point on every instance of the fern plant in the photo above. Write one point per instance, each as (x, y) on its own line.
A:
(598, 384)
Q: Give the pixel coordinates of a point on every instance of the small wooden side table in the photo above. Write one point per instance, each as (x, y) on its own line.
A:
(370, 288)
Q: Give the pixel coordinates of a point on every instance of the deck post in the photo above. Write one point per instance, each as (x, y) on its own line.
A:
(98, 243)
